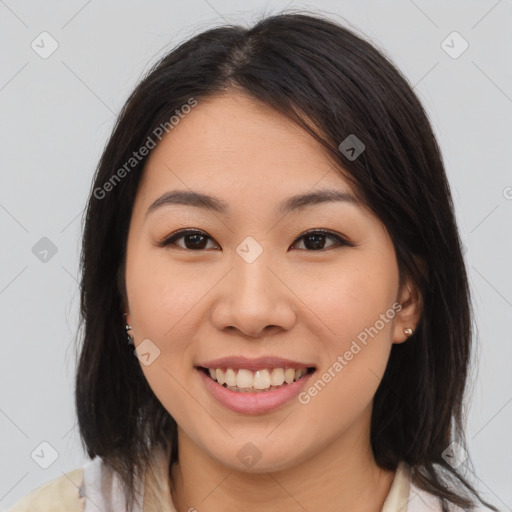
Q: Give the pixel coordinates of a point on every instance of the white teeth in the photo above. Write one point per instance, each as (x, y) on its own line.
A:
(230, 377)
(277, 377)
(261, 379)
(243, 379)
(289, 375)
(221, 378)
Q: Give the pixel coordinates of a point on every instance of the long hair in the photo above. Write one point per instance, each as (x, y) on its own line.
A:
(332, 83)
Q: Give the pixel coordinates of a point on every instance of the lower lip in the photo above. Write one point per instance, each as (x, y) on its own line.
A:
(254, 403)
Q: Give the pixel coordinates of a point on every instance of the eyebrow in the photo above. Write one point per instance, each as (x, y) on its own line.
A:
(208, 202)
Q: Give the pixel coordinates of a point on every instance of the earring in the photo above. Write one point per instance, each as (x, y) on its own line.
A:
(128, 328)
(408, 332)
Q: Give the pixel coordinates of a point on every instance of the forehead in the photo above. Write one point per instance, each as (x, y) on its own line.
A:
(232, 145)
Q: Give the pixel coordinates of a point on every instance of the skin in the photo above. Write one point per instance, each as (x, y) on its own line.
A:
(293, 301)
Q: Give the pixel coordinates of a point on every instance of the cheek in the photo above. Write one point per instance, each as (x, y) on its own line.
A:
(354, 359)
(352, 299)
(357, 320)
(162, 300)
(162, 293)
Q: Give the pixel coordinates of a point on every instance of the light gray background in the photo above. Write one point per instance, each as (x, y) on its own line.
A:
(56, 116)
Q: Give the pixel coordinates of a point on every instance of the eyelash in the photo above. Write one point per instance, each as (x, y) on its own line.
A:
(182, 233)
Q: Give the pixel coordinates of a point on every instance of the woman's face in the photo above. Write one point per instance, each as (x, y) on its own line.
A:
(249, 285)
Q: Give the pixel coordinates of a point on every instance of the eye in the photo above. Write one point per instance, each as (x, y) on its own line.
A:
(197, 240)
(316, 239)
(194, 239)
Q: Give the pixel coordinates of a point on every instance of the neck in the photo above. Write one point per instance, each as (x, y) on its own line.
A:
(342, 477)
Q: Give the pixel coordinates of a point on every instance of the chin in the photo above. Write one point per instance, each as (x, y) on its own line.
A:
(251, 455)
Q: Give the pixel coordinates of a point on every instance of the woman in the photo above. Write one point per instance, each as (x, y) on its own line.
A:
(271, 227)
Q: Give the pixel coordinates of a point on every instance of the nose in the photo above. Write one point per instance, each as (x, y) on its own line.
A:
(253, 300)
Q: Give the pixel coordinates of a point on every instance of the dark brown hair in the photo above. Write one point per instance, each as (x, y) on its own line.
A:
(333, 83)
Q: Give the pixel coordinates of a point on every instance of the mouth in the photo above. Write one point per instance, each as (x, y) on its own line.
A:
(265, 379)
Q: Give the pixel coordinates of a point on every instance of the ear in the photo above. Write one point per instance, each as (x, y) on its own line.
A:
(408, 317)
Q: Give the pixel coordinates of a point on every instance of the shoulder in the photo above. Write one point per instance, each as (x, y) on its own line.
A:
(62, 494)
(94, 486)
(423, 501)
(406, 496)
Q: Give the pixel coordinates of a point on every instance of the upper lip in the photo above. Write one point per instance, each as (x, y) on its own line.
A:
(254, 364)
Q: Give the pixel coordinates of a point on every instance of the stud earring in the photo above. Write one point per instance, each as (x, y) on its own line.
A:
(408, 332)
(128, 328)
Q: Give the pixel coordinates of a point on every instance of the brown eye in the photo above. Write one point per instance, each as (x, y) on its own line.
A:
(315, 239)
(193, 240)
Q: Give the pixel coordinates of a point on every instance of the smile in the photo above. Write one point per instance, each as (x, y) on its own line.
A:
(254, 386)
(249, 381)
